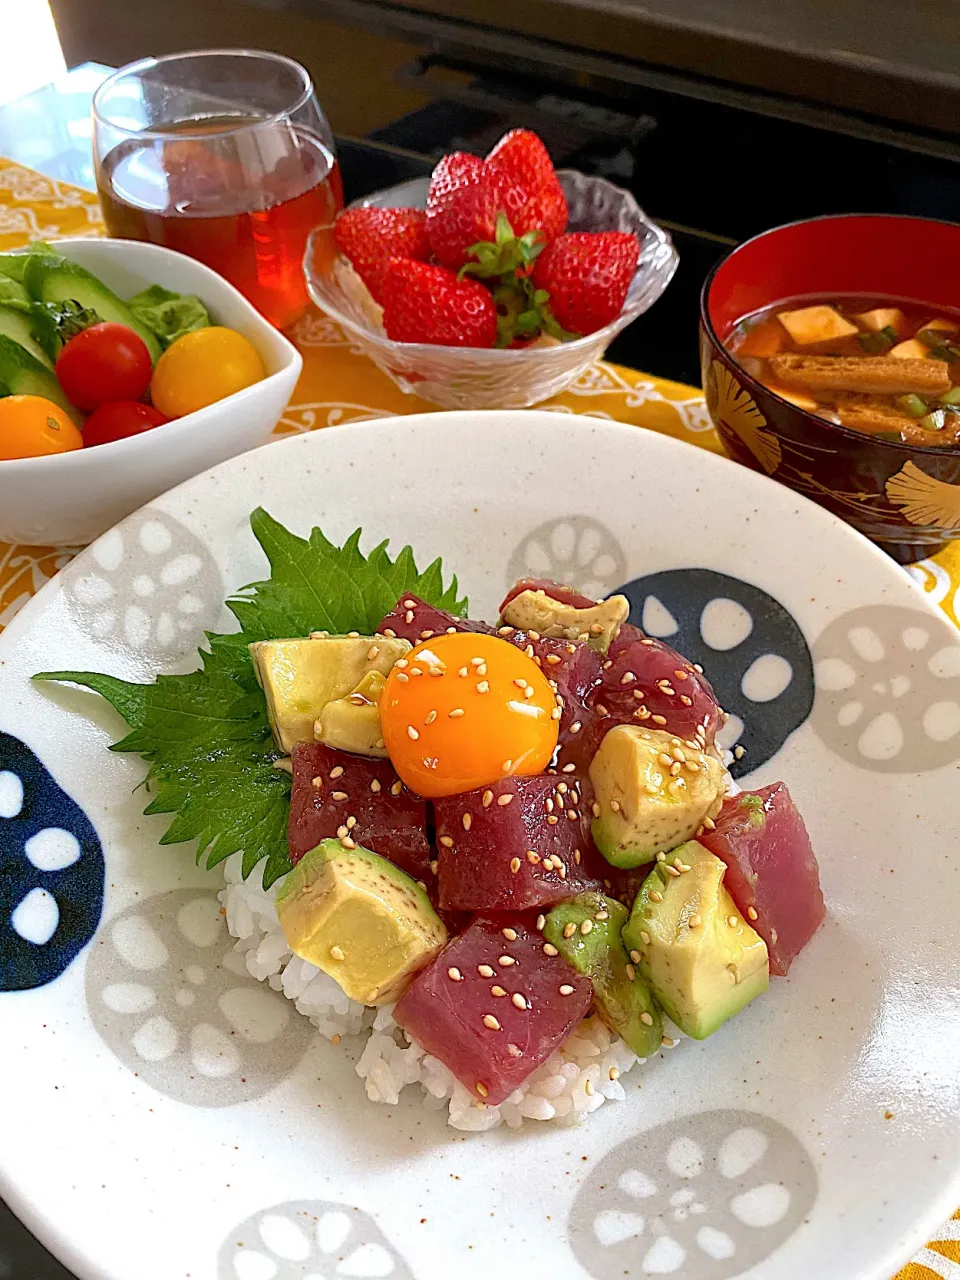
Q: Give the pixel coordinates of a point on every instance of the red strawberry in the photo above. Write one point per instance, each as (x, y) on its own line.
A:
(370, 237)
(587, 275)
(423, 303)
(462, 207)
(521, 159)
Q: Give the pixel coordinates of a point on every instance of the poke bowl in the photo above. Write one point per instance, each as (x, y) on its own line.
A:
(225, 1058)
(861, 416)
(69, 498)
(461, 378)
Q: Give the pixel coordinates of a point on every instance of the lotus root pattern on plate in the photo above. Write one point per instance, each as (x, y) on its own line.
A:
(705, 1197)
(888, 689)
(576, 550)
(310, 1240)
(149, 585)
(751, 648)
(173, 1000)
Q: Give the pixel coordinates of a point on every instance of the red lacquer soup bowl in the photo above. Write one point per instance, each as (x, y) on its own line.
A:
(904, 497)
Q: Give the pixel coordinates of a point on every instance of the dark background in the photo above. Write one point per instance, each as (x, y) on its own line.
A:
(724, 117)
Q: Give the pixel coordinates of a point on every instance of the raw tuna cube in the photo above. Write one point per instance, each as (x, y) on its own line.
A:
(645, 681)
(573, 667)
(493, 1006)
(413, 619)
(772, 872)
(513, 845)
(331, 786)
(556, 591)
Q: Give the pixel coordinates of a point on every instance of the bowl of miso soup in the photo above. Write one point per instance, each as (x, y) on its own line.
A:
(830, 352)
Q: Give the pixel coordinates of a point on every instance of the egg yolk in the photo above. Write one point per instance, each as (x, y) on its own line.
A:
(462, 711)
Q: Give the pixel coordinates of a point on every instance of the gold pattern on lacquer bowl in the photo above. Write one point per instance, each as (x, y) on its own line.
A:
(923, 499)
(734, 408)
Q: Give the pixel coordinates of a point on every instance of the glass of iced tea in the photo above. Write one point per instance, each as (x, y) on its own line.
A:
(226, 156)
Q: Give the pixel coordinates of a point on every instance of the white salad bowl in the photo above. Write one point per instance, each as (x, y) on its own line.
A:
(164, 1115)
(71, 498)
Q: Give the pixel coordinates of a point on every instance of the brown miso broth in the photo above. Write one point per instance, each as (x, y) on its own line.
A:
(884, 366)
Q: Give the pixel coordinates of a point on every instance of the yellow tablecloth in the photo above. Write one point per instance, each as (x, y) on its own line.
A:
(340, 385)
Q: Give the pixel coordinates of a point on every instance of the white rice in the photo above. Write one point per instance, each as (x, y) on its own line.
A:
(574, 1080)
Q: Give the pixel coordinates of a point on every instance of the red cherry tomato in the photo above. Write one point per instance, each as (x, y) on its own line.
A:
(119, 419)
(103, 363)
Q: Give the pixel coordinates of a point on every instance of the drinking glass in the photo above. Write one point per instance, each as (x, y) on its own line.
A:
(226, 156)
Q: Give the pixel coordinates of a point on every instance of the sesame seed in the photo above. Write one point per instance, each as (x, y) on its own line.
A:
(434, 866)
(348, 842)
(454, 974)
(518, 1001)
(615, 806)
(343, 831)
(463, 671)
(596, 629)
(447, 841)
(353, 635)
(505, 961)
(552, 819)
(514, 865)
(569, 768)
(739, 752)
(339, 795)
(412, 732)
(549, 804)
(752, 912)
(529, 691)
(709, 824)
(675, 768)
(555, 713)
(457, 711)
(541, 921)
(550, 950)
(534, 635)
(482, 1089)
(577, 855)
(533, 857)
(408, 616)
(451, 631)
(529, 651)
(661, 857)
(431, 716)
(586, 927)
(476, 662)
(505, 799)
(656, 895)
(614, 1072)
(681, 866)
(483, 686)
(659, 719)
(372, 652)
(425, 635)
(602, 915)
(631, 973)
(608, 664)
(336, 1038)
(697, 667)
(628, 678)
(510, 934)
(467, 821)
(317, 782)
(337, 953)
(695, 922)
(507, 766)
(351, 822)
(505, 631)
(567, 990)
(667, 1042)
(651, 788)
(646, 640)
(596, 809)
(559, 801)
(337, 772)
(521, 684)
(645, 938)
(687, 702)
(646, 1019)
(490, 1022)
(497, 991)
(671, 870)
(601, 710)
(514, 1051)
(553, 659)
(485, 971)
(389, 631)
(403, 677)
(733, 921)
(569, 930)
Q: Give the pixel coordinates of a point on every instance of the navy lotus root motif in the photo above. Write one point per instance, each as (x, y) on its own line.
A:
(51, 872)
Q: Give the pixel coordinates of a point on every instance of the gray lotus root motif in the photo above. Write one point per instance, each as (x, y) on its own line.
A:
(150, 584)
(888, 689)
(705, 1197)
(310, 1240)
(173, 1000)
(576, 550)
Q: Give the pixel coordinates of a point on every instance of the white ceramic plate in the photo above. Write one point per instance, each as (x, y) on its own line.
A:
(818, 1134)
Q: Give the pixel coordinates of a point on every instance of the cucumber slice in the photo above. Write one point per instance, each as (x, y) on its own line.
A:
(18, 325)
(56, 279)
(22, 375)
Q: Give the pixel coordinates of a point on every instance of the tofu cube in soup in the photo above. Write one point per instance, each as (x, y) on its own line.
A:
(912, 349)
(881, 318)
(494, 1005)
(811, 325)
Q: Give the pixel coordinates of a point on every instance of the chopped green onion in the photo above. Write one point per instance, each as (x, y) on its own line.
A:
(939, 344)
(912, 405)
(892, 437)
(882, 340)
(934, 421)
(951, 397)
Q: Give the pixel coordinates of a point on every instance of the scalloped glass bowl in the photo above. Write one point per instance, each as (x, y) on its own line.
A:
(469, 378)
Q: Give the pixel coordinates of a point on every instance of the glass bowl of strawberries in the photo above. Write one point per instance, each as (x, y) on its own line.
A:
(494, 282)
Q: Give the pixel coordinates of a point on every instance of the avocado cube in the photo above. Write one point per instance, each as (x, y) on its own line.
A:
(353, 723)
(597, 626)
(299, 677)
(360, 919)
(586, 930)
(653, 792)
(702, 959)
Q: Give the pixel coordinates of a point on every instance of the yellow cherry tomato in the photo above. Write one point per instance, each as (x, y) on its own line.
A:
(32, 427)
(203, 367)
(462, 711)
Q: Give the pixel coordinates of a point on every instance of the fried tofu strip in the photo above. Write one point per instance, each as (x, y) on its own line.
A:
(872, 418)
(868, 375)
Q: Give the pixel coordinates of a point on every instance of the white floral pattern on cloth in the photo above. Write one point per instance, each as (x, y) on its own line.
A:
(301, 418)
(28, 187)
(172, 998)
(705, 1197)
(23, 571)
(160, 612)
(310, 1240)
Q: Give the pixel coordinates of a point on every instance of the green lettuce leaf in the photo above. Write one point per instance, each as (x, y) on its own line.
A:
(206, 736)
(168, 315)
